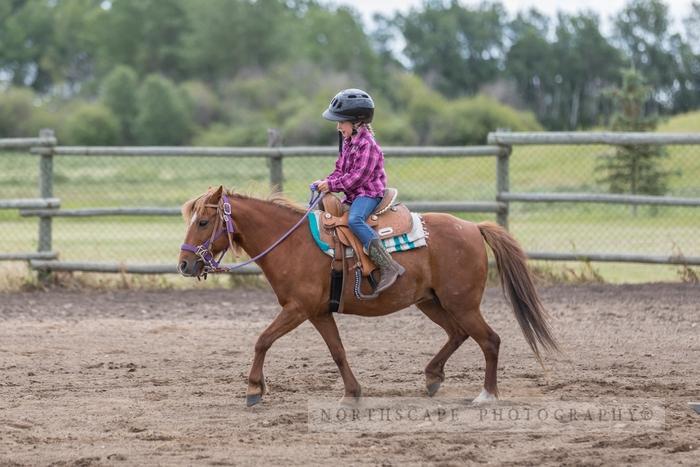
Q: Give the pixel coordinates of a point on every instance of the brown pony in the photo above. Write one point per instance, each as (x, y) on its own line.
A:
(445, 280)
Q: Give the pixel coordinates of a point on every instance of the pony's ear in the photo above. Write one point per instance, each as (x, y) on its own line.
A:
(216, 194)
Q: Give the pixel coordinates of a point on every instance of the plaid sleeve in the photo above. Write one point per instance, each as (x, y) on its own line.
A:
(364, 163)
(338, 171)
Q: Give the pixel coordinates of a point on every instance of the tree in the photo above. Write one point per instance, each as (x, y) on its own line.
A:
(26, 30)
(692, 26)
(587, 64)
(163, 118)
(643, 34)
(147, 35)
(70, 56)
(686, 88)
(226, 37)
(119, 95)
(562, 80)
(455, 48)
(532, 63)
(634, 168)
(336, 41)
(688, 52)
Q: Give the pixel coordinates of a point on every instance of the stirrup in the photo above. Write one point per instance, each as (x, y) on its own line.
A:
(358, 285)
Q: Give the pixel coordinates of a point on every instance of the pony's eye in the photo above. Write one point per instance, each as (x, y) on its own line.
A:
(203, 223)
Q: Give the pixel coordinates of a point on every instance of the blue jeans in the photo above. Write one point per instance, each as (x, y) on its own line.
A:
(360, 209)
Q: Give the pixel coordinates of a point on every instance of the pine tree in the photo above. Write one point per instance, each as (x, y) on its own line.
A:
(635, 168)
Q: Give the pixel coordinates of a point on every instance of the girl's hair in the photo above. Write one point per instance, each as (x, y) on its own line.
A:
(368, 126)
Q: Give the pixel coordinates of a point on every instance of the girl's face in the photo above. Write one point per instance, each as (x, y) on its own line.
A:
(345, 128)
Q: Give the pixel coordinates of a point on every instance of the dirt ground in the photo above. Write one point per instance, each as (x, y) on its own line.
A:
(159, 378)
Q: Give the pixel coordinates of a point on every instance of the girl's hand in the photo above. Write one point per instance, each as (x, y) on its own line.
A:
(322, 186)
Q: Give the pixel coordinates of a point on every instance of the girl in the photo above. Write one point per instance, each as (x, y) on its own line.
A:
(359, 173)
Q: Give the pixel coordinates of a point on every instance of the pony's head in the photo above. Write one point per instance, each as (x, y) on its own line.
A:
(209, 229)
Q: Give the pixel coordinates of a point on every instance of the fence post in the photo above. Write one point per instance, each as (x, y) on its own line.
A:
(45, 191)
(274, 140)
(503, 182)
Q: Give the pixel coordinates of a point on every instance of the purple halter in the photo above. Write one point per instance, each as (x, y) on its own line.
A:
(204, 252)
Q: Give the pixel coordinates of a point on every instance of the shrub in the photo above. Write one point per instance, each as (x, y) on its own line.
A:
(469, 120)
(202, 103)
(232, 135)
(16, 110)
(92, 125)
(162, 118)
(119, 95)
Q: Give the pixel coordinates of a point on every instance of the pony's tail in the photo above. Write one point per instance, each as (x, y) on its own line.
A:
(518, 285)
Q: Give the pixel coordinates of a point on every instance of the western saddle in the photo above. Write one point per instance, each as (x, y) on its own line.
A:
(389, 219)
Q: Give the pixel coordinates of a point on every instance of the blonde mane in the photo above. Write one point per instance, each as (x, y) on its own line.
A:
(281, 200)
(196, 205)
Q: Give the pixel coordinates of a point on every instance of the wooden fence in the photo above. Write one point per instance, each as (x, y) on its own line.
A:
(508, 140)
(46, 140)
(500, 145)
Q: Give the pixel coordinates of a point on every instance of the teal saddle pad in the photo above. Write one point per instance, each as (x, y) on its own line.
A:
(416, 238)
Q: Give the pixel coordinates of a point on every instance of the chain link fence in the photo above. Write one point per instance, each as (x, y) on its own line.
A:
(604, 228)
(109, 181)
(658, 222)
(19, 179)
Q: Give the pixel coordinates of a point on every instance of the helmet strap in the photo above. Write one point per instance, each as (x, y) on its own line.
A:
(340, 142)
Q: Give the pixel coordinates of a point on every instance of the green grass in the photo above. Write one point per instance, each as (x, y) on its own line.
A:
(83, 182)
(685, 123)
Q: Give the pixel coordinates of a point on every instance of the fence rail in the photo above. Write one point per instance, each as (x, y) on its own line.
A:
(30, 203)
(26, 143)
(598, 198)
(40, 255)
(295, 151)
(418, 206)
(608, 138)
(124, 268)
(617, 258)
(500, 145)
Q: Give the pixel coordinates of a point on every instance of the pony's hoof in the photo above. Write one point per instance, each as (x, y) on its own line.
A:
(252, 399)
(485, 398)
(433, 388)
(349, 401)
(352, 400)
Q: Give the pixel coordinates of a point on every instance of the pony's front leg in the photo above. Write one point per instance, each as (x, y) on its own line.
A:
(325, 325)
(288, 319)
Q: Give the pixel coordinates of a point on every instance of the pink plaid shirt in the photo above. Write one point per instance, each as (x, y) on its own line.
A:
(359, 170)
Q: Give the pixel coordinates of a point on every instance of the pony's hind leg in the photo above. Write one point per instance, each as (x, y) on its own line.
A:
(435, 370)
(472, 322)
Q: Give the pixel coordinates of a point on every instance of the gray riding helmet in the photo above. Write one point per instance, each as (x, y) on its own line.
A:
(350, 105)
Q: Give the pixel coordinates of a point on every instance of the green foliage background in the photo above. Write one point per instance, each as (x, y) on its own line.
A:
(224, 71)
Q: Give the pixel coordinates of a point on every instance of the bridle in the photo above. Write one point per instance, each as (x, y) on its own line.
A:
(203, 251)
(223, 210)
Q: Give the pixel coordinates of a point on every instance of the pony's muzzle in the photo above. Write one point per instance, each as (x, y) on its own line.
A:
(188, 268)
